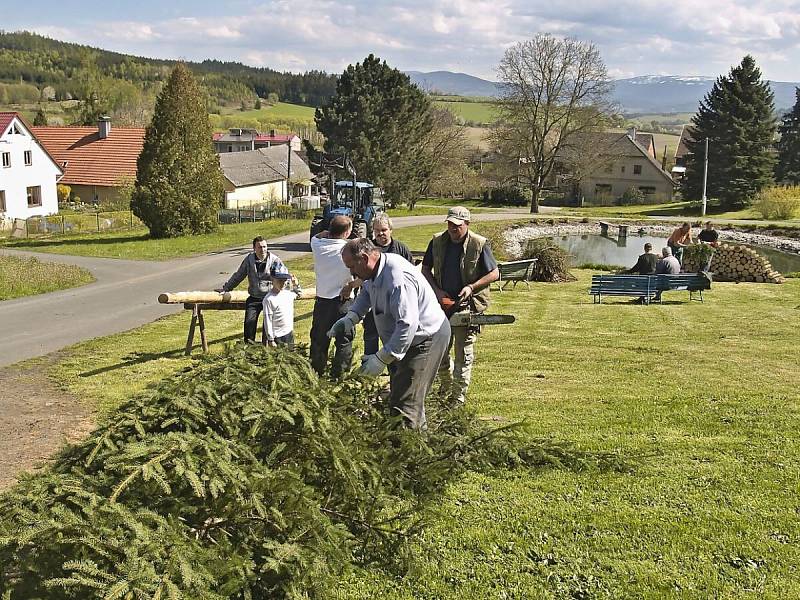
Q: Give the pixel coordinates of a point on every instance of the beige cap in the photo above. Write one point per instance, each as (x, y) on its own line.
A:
(457, 215)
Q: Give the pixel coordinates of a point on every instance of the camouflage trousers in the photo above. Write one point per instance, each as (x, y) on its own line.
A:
(455, 373)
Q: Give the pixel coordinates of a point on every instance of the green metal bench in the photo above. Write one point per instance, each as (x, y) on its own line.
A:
(515, 271)
(648, 287)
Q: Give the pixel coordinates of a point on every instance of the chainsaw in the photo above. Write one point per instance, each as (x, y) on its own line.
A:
(468, 319)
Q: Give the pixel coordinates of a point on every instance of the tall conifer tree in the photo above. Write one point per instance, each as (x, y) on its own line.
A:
(737, 116)
(179, 182)
(788, 169)
(381, 121)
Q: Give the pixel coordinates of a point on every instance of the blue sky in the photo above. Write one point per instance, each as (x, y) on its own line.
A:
(635, 37)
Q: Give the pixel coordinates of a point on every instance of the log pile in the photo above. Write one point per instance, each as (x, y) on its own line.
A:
(738, 263)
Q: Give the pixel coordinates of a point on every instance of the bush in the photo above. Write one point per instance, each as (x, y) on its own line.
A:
(505, 195)
(778, 202)
(552, 261)
(63, 192)
(246, 476)
(631, 196)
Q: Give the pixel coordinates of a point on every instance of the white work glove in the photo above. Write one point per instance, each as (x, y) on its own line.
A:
(345, 325)
(373, 365)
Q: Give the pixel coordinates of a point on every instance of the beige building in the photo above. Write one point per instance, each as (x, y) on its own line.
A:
(599, 168)
(259, 177)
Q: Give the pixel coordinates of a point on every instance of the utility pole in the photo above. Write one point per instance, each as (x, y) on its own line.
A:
(289, 173)
(705, 178)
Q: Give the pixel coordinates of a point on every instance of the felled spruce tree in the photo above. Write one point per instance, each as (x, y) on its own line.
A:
(788, 169)
(737, 117)
(178, 183)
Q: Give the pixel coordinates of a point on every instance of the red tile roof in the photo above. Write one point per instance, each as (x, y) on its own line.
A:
(5, 120)
(91, 160)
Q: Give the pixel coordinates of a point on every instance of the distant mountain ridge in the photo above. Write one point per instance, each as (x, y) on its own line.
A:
(643, 94)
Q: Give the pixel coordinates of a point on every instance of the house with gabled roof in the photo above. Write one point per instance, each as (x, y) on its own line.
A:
(98, 162)
(240, 139)
(259, 177)
(599, 167)
(28, 172)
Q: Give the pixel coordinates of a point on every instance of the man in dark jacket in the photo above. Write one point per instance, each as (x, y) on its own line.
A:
(646, 265)
(256, 267)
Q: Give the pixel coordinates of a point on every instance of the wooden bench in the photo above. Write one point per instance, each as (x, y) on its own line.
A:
(648, 287)
(515, 271)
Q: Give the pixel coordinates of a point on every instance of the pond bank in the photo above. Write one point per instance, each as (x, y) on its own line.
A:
(516, 237)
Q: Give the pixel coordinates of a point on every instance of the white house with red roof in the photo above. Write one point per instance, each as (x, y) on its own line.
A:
(28, 172)
(244, 140)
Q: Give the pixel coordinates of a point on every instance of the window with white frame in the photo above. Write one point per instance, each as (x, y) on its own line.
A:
(34, 196)
(6, 159)
(28, 158)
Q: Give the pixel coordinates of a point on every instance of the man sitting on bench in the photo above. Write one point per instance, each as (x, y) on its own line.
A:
(668, 265)
(646, 265)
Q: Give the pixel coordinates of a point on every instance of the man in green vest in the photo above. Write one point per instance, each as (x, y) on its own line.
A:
(460, 267)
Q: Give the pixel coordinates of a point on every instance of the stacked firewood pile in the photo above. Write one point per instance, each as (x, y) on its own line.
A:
(735, 263)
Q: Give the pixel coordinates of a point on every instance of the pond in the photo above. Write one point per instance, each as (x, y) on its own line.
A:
(625, 252)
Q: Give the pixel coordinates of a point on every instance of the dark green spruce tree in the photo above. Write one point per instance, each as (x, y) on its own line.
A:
(737, 116)
(40, 119)
(381, 121)
(178, 182)
(788, 169)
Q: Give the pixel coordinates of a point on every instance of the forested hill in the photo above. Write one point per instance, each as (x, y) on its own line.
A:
(76, 71)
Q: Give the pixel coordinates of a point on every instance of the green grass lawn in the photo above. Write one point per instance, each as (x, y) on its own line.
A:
(21, 276)
(136, 244)
(700, 399)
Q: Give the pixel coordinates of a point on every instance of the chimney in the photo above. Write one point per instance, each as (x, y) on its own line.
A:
(632, 133)
(104, 127)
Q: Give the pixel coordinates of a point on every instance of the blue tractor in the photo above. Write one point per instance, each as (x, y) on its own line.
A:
(359, 200)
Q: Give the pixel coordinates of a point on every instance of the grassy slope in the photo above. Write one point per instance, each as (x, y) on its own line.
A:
(281, 110)
(29, 276)
(702, 401)
(479, 112)
(136, 244)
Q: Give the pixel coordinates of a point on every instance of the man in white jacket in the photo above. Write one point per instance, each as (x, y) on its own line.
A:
(332, 275)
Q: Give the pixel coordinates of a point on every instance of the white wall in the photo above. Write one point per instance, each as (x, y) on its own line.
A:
(15, 179)
(253, 195)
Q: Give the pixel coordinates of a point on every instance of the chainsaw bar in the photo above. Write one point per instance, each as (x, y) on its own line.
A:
(465, 319)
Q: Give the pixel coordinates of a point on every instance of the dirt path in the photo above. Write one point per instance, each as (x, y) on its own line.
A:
(36, 418)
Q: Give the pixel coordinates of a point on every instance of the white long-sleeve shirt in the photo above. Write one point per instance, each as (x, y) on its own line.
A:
(405, 308)
(279, 313)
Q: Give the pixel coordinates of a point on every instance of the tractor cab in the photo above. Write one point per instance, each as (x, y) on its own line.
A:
(361, 202)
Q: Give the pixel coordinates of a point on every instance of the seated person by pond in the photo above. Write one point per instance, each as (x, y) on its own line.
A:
(646, 265)
(668, 264)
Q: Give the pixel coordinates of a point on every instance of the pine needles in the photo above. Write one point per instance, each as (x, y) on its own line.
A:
(243, 477)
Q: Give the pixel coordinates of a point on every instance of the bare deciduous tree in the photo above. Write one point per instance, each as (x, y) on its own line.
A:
(553, 89)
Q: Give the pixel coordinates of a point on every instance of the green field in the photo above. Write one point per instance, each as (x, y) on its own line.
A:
(277, 112)
(476, 112)
(699, 399)
(20, 276)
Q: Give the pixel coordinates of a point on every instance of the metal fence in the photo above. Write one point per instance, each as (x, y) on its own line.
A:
(77, 223)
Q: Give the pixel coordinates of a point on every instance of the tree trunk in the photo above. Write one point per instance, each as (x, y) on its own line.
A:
(534, 199)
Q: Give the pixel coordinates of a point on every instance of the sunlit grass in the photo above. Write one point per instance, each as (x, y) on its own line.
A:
(28, 276)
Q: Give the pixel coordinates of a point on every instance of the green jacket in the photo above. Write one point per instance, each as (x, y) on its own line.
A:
(470, 273)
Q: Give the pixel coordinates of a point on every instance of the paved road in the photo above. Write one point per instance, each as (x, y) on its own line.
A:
(125, 293)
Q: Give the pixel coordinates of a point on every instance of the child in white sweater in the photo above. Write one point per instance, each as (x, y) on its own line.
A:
(279, 308)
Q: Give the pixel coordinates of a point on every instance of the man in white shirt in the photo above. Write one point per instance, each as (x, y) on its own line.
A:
(332, 275)
(411, 325)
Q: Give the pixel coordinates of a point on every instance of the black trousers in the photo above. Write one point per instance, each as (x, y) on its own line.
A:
(252, 308)
(326, 312)
(370, 334)
(411, 378)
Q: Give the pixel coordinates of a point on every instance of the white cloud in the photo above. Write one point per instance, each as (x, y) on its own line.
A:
(634, 36)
